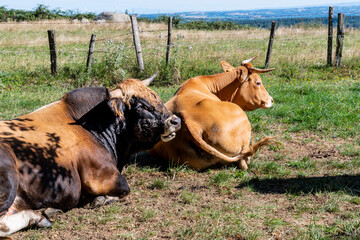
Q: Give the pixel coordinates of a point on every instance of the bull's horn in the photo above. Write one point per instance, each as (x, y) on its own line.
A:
(248, 60)
(117, 93)
(257, 70)
(147, 81)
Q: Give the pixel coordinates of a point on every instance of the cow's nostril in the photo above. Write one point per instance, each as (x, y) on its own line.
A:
(272, 100)
(175, 121)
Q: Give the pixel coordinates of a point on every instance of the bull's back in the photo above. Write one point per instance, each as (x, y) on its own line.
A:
(47, 146)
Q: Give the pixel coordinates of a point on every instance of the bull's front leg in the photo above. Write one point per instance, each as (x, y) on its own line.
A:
(14, 222)
(105, 184)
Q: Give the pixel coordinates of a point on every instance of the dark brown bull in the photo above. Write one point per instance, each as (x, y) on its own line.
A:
(75, 148)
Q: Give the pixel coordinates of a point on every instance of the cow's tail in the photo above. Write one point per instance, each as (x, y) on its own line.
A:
(209, 149)
(256, 146)
(9, 178)
(242, 156)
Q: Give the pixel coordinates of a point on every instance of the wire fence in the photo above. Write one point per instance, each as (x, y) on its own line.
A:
(155, 41)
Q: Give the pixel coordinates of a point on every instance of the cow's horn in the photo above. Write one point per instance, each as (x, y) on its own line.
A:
(248, 60)
(257, 70)
(147, 81)
(117, 93)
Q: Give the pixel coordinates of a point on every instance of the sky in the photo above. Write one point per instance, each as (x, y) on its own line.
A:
(164, 6)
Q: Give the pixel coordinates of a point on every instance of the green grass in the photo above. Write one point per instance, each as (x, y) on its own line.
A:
(221, 178)
(24, 100)
(326, 107)
(329, 108)
(157, 184)
(304, 163)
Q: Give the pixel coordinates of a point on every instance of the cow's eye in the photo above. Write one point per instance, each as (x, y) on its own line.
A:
(258, 83)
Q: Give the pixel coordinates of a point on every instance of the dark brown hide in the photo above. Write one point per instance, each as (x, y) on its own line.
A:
(76, 147)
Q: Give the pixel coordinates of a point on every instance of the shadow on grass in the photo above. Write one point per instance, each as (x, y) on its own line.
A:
(143, 159)
(302, 185)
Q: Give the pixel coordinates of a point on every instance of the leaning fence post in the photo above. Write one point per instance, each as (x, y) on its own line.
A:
(339, 39)
(169, 41)
(91, 52)
(271, 41)
(137, 44)
(330, 36)
(53, 55)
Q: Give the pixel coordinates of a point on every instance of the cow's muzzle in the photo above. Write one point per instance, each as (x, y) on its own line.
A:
(172, 124)
(269, 103)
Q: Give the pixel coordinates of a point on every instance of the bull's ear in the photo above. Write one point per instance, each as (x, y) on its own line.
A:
(107, 94)
(227, 67)
(117, 93)
(117, 106)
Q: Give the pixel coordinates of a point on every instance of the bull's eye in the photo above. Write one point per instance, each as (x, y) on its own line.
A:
(146, 114)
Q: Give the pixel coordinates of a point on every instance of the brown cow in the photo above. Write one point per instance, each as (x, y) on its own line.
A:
(75, 148)
(215, 128)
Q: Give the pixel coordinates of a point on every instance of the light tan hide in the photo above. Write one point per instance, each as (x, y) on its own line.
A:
(215, 129)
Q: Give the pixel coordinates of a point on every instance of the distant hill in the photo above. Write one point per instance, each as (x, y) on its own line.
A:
(262, 17)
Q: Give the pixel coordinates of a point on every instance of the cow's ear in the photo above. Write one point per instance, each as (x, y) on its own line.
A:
(227, 67)
(117, 106)
(243, 73)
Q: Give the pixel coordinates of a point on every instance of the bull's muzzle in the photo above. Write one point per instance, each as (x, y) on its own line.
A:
(172, 124)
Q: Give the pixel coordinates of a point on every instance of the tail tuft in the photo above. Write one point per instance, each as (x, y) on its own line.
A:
(256, 146)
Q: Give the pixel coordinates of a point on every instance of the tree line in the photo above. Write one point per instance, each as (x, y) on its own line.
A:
(41, 12)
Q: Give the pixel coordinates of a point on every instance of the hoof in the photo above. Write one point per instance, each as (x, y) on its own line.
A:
(44, 223)
(98, 202)
(103, 200)
(51, 213)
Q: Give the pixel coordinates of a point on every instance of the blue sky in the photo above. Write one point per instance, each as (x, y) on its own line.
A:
(161, 6)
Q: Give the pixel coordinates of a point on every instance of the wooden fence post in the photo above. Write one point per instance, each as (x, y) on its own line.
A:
(53, 55)
(271, 41)
(169, 41)
(91, 52)
(339, 39)
(137, 44)
(330, 36)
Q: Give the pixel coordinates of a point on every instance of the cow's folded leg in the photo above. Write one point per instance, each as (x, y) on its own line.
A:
(242, 164)
(248, 160)
(23, 219)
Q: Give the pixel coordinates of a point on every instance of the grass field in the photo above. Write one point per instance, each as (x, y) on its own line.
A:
(305, 187)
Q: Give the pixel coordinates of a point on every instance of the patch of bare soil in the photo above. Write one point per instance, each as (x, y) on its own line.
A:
(179, 203)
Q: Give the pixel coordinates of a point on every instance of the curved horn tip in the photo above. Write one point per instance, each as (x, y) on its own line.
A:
(147, 81)
(257, 70)
(248, 60)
